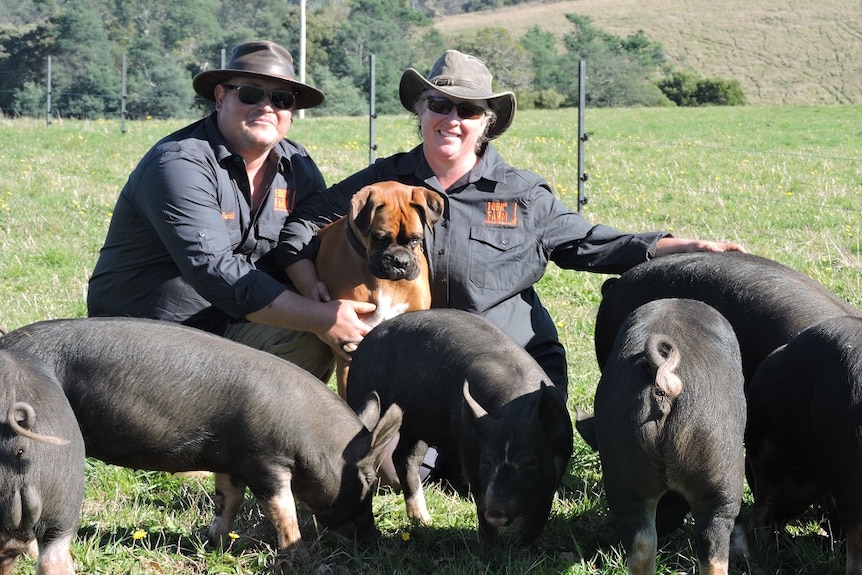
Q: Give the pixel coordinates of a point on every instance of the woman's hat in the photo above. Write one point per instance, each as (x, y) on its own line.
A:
(265, 60)
(464, 77)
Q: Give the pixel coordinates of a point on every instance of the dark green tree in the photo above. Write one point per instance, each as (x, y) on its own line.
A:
(392, 32)
(548, 73)
(719, 92)
(680, 87)
(508, 60)
(86, 78)
(619, 72)
(157, 87)
(343, 96)
(23, 61)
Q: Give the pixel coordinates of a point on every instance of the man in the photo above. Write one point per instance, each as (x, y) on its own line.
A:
(193, 233)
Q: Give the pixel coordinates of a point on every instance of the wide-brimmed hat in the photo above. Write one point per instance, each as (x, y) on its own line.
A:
(464, 77)
(265, 60)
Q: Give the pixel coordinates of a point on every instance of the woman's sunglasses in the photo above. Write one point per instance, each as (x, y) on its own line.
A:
(281, 99)
(465, 110)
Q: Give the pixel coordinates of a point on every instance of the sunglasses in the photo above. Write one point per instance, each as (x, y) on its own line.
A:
(281, 99)
(465, 110)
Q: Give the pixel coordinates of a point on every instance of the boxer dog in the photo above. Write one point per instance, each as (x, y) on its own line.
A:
(376, 253)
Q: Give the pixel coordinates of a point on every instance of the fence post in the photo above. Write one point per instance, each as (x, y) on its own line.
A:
(582, 136)
(48, 90)
(372, 111)
(123, 98)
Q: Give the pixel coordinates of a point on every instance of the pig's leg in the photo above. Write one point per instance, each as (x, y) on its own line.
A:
(55, 557)
(713, 529)
(10, 549)
(7, 564)
(846, 476)
(408, 457)
(229, 492)
(636, 521)
(281, 511)
(854, 550)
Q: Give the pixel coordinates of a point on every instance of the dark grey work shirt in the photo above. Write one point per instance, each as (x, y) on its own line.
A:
(184, 244)
(500, 228)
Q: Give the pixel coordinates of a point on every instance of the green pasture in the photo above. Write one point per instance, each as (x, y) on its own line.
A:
(786, 182)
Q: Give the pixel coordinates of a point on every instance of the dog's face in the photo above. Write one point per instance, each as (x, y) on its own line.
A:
(390, 218)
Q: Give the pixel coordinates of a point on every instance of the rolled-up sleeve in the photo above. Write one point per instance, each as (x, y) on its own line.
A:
(574, 243)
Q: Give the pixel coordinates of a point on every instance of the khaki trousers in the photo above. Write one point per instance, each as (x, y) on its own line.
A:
(298, 347)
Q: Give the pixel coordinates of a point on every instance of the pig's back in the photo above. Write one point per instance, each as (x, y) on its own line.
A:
(420, 360)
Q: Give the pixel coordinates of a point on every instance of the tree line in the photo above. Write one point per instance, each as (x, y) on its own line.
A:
(166, 43)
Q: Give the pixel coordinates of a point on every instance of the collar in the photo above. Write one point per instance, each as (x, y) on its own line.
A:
(354, 241)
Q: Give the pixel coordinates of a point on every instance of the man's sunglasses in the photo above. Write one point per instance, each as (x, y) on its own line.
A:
(281, 99)
(466, 110)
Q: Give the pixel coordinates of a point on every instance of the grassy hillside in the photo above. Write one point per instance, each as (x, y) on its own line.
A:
(781, 51)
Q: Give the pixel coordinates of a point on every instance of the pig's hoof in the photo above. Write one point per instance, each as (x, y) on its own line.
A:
(420, 517)
(288, 559)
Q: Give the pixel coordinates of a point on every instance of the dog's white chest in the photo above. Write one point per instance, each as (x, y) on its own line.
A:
(386, 309)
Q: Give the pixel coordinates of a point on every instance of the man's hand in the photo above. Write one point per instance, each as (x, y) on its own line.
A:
(347, 329)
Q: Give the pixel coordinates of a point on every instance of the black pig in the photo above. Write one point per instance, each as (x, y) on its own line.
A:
(670, 416)
(766, 302)
(470, 391)
(804, 435)
(41, 466)
(161, 396)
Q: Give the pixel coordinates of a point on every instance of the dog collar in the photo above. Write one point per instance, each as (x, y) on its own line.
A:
(354, 241)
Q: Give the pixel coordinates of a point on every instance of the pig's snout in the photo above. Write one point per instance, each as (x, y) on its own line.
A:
(353, 532)
(497, 518)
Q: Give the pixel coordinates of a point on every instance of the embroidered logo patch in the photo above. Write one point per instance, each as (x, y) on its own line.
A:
(228, 216)
(283, 200)
(501, 213)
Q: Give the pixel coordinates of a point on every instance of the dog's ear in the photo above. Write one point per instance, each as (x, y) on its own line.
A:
(362, 209)
(429, 203)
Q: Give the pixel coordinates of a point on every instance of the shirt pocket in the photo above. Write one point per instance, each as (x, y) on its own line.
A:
(495, 257)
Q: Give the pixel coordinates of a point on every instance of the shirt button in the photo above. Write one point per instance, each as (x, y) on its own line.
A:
(441, 252)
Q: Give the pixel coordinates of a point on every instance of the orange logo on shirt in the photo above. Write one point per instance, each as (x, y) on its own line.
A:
(502, 213)
(283, 200)
(228, 216)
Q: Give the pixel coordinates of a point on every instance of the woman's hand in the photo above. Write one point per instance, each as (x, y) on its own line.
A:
(670, 245)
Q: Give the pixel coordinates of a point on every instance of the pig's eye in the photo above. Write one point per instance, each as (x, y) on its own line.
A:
(487, 462)
(528, 463)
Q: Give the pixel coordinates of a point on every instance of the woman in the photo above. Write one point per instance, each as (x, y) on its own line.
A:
(501, 225)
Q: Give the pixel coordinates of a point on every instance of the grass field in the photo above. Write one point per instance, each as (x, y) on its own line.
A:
(781, 51)
(784, 181)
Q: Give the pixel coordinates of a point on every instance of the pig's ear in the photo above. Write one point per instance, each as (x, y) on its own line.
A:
(369, 411)
(554, 418)
(381, 435)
